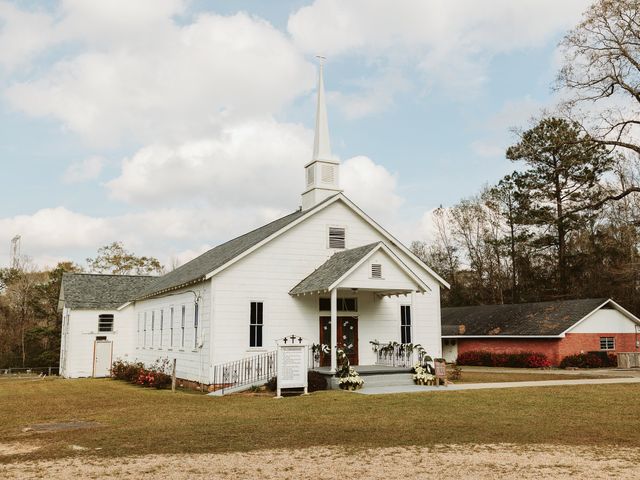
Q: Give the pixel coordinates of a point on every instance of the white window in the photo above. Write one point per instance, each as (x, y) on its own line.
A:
(145, 330)
(195, 325)
(171, 325)
(182, 325)
(337, 237)
(153, 325)
(139, 337)
(105, 323)
(161, 326)
(607, 343)
(256, 324)
(405, 324)
(376, 270)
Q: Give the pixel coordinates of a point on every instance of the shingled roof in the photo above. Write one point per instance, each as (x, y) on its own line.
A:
(94, 291)
(525, 319)
(331, 270)
(197, 269)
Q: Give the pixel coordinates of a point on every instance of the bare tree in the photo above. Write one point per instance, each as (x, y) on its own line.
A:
(601, 75)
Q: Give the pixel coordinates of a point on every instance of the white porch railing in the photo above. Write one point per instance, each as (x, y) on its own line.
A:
(395, 354)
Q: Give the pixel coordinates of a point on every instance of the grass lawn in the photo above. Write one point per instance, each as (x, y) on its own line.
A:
(141, 421)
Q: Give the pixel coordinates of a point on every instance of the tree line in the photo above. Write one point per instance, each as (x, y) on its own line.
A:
(566, 222)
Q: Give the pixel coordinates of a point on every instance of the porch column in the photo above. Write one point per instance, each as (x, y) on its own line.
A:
(334, 329)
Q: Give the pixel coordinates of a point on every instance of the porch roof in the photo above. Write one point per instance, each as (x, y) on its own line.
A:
(331, 273)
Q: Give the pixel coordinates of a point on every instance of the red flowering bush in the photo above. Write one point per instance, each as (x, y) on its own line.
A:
(515, 360)
(157, 375)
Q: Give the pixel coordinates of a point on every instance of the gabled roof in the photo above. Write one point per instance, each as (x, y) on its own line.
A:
(340, 265)
(98, 291)
(213, 261)
(550, 319)
(333, 269)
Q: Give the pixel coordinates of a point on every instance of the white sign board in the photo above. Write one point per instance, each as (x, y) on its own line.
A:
(292, 367)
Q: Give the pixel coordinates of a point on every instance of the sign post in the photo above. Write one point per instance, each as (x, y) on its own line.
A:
(292, 364)
(440, 368)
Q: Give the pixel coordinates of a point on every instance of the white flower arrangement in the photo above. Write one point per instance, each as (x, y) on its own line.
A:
(352, 381)
(421, 376)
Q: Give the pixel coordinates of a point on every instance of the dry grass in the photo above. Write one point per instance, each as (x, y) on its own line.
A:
(136, 421)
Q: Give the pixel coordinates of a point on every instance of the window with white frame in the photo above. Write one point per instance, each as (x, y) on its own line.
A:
(182, 325)
(405, 323)
(139, 337)
(161, 326)
(105, 322)
(337, 237)
(153, 326)
(144, 344)
(255, 324)
(171, 327)
(607, 343)
(195, 325)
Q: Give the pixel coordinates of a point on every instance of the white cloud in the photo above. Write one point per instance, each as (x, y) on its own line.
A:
(87, 169)
(254, 163)
(140, 76)
(23, 35)
(54, 234)
(372, 187)
(449, 42)
(373, 95)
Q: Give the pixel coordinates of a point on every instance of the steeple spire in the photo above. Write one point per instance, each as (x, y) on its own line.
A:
(322, 172)
(321, 143)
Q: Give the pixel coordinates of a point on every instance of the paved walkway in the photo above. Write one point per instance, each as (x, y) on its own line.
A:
(482, 386)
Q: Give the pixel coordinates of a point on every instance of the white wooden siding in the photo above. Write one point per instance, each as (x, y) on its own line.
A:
(605, 320)
(271, 271)
(79, 335)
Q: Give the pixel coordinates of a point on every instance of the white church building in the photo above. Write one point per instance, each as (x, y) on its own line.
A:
(327, 263)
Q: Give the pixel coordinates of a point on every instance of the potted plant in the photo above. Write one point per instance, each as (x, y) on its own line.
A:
(421, 376)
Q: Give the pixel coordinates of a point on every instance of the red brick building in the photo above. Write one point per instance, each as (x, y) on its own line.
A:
(556, 329)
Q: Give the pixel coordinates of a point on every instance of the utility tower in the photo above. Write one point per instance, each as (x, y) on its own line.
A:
(14, 252)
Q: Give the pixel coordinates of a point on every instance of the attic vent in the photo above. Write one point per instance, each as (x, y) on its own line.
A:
(310, 175)
(336, 237)
(327, 174)
(376, 270)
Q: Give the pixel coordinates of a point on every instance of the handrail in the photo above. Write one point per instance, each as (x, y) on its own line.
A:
(243, 372)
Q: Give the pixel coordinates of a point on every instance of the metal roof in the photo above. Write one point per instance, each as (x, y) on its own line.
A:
(525, 319)
(99, 291)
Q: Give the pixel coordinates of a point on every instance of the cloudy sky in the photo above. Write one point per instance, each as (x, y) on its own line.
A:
(175, 125)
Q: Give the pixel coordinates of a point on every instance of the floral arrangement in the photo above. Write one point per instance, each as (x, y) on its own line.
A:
(422, 376)
(351, 381)
(349, 378)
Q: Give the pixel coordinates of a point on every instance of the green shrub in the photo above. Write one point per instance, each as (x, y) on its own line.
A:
(596, 359)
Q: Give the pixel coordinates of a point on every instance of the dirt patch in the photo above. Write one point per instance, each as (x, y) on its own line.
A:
(7, 449)
(60, 426)
(442, 462)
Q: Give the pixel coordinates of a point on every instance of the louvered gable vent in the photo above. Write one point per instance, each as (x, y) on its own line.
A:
(376, 270)
(336, 237)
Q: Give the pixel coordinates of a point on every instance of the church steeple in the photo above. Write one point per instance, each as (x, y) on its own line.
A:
(322, 172)
(321, 143)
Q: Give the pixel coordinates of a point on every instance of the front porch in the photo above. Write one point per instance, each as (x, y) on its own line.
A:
(373, 272)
